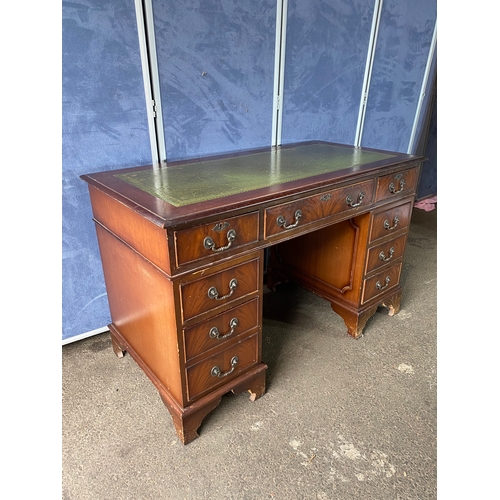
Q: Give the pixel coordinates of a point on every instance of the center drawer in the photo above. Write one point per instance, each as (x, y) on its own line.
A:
(219, 289)
(299, 213)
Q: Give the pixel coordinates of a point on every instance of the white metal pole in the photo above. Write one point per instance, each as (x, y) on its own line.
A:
(418, 112)
(155, 81)
(377, 11)
(279, 71)
(141, 30)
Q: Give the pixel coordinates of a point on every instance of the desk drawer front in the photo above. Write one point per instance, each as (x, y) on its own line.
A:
(221, 329)
(282, 218)
(222, 367)
(385, 253)
(215, 238)
(390, 221)
(219, 289)
(399, 183)
(380, 283)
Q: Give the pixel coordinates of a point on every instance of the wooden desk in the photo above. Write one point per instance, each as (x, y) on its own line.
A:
(182, 250)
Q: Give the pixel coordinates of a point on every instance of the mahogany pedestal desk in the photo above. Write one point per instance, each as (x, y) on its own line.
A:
(182, 250)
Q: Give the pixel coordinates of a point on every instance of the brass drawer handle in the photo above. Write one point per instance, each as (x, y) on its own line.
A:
(392, 187)
(348, 200)
(216, 370)
(215, 334)
(282, 223)
(379, 286)
(214, 294)
(382, 256)
(390, 228)
(209, 244)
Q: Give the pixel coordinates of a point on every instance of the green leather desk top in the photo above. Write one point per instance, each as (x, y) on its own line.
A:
(188, 183)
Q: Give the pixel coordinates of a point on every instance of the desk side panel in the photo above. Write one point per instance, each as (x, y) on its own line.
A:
(142, 306)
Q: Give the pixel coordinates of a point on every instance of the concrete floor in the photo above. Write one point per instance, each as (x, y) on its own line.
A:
(341, 419)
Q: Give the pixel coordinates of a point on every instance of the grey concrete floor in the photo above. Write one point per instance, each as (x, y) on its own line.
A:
(341, 418)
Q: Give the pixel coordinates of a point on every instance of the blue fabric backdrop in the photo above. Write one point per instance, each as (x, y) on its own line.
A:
(403, 44)
(216, 69)
(216, 64)
(104, 126)
(326, 50)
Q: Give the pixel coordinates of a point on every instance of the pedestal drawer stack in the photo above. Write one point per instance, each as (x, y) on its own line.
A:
(387, 234)
(220, 324)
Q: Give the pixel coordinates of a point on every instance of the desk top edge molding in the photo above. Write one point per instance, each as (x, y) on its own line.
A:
(165, 215)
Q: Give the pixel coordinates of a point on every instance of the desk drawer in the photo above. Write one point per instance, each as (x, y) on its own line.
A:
(216, 237)
(380, 283)
(384, 253)
(221, 329)
(390, 221)
(299, 213)
(399, 183)
(218, 289)
(222, 367)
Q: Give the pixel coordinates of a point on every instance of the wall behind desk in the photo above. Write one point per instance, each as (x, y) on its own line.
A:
(404, 39)
(216, 74)
(104, 126)
(326, 55)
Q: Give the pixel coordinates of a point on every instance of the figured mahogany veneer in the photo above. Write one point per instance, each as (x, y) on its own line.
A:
(229, 363)
(190, 243)
(390, 221)
(318, 207)
(182, 251)
(221, 329)
(390, 251)
(398, 183)
(230, 284)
